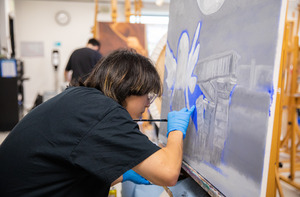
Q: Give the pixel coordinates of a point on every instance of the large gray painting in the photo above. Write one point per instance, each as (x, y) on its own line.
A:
(221, 56)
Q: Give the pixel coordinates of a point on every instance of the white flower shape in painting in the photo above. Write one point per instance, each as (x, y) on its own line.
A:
(180, 68)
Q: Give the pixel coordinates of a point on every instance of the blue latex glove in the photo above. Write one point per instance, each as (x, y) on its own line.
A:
(179, 120)
(132, 176)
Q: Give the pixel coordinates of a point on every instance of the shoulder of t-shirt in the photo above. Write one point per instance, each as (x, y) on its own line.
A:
(115, 109)
(79, 49)
(82, 50)
(109, 104)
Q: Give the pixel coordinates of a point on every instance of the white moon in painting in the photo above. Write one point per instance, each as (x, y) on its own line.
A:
(208, 7)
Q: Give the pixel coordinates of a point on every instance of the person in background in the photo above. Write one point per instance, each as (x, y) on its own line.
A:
(82, 61)
(85, 140)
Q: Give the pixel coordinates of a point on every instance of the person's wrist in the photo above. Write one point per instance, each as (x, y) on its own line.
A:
(125, 177)
(176, 132)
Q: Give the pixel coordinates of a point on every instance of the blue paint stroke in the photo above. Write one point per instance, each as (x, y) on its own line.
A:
(192, 97)
(271, 93)
(215, 168)
(230, 95)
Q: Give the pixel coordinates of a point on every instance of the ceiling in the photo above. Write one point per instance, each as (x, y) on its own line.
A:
(161, 8)
(105, 1)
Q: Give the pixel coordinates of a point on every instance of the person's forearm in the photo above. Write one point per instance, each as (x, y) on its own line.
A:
(118, 180)
(164, 166)
(174, 149)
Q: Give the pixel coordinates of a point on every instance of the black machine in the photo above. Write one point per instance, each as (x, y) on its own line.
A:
(11, 93)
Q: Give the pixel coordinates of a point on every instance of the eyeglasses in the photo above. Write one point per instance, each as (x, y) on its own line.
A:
(151, 97)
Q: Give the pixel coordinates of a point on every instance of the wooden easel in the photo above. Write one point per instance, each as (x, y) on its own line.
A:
(137, 8)
(95, 30)
(273, 177)
(127, 10)
(288, 100)
(288, 144)
(114, 10)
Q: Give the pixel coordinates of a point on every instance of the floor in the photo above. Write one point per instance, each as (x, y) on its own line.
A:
(288, 191)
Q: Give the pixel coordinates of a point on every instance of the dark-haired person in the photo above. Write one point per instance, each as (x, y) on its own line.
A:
(82, 61)
(84, 140)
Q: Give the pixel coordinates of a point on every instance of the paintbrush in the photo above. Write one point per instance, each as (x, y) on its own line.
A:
(151, 120)
(169, 192)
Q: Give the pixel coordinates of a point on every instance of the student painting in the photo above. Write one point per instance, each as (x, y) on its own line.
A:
(84, 140)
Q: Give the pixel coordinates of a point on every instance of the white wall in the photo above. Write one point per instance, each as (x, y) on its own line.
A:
(4, 26)
(35, 22)
(6, 8)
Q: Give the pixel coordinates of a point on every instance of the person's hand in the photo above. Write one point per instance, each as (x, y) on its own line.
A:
(132, 176)
(179, 120)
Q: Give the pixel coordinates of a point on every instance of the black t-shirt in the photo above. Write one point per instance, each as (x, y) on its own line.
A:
(81, 62)
(75, 144)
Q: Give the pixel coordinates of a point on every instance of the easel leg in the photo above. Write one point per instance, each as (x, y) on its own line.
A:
(278, 183)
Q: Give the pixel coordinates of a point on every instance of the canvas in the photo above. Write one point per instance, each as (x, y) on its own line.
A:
(223, 56)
